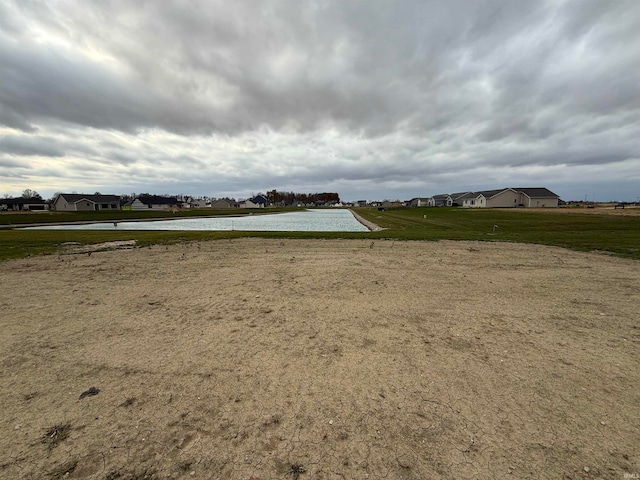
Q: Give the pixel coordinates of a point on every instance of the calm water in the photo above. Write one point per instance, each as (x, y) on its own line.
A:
(303, 221)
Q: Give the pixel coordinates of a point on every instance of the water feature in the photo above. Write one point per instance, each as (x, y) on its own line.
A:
(314, 220)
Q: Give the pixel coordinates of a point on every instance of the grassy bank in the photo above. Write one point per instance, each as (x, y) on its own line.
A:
(619, 235)
(576, 230)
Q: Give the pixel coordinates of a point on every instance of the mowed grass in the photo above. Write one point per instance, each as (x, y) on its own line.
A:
(577, 230)
(616, 234)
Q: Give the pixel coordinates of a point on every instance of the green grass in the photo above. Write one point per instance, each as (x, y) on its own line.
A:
(20, 243)
(616, 234)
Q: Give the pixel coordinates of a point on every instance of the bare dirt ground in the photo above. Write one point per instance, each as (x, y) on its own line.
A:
(321, 359)
(605, 209)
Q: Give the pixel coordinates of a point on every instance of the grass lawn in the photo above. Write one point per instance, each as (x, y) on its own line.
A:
(616, 234)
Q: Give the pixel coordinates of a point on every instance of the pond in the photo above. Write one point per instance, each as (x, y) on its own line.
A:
(336, 220)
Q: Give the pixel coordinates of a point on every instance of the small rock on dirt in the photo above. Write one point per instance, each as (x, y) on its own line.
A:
(90, 392)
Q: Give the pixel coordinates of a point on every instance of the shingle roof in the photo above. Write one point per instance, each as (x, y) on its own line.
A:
(537, 192)
(22, 201)
(76, 197)
(490, 193)
(468, 195)
(458, 195)
(158, 200)
(259, 199)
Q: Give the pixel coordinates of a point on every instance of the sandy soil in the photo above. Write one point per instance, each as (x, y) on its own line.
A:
(327, 359)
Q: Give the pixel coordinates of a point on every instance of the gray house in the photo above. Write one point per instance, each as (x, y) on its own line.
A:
(155, 202)
(419, 202)
(441, 200)
(224, 203)
(538, 197)
(74, 202)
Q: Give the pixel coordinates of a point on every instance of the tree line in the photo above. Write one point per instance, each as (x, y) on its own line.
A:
(274, 197)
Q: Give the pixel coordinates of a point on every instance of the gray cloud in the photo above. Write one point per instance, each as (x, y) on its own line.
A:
(27, 145)
(287, 93)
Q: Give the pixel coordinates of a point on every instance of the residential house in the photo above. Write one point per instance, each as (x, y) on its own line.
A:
(488, 199)
(190, 202)
(457, 198)
(441, 200)
(511, 197)
(467, 200)
(259, 201)
(80, 202)
(198, 203)
(154, 202)
(224, 204)
(419, 202)
(24, 204)
(538, 198)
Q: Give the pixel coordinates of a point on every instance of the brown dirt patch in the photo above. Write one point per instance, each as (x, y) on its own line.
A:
(630, 210)
(321, 359)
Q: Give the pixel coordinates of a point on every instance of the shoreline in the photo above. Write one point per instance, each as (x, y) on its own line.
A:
(127, 220)
(370, 225)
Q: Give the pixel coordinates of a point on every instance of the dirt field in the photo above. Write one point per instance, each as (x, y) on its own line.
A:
(321, 359)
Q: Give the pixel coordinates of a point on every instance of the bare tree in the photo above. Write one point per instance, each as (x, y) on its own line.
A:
(28, 193)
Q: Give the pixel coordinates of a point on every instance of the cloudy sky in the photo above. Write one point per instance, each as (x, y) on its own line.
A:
(373, 99)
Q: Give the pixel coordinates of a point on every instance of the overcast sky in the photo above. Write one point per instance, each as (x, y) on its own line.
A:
(371, 99)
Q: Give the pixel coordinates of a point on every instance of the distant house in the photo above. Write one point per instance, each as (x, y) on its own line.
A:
(481, 199)
(512, 197)
(419, 202)
(441, 200)
(80, 202)
(469, 198)
(224, 203)
(154, 202)
(197, 203)
(457, 198)
(259, 201)
(538, 198)
(23, 204)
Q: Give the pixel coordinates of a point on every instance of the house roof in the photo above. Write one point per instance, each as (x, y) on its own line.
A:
(468, 195)
(77, 197)
(158, 200)
(537, 192)
(490, 193)
(230, 201)
(22, 201)
(259, 199)
(440, 196)
(456, 196)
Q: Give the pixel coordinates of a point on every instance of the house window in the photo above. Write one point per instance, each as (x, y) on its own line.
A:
(104, 205)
